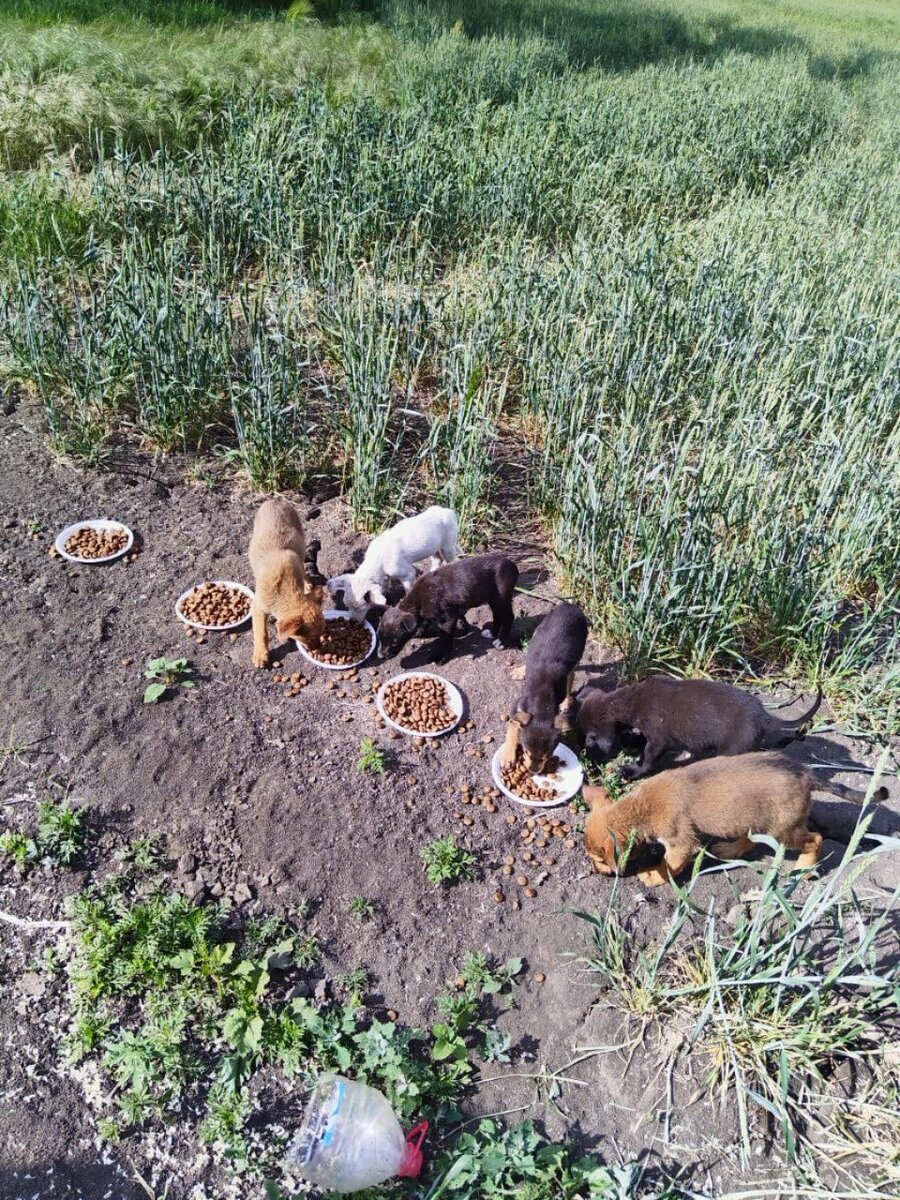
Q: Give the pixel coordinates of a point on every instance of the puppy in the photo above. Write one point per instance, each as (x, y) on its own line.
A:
(445, 596)
(553, 654)
(718, 801)
(391, 555)
(277, 550)
(698, 715)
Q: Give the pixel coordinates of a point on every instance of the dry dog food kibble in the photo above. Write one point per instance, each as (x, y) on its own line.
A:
(344, 641)
(419, 705)
(519, 779)
(215, 604)
(96, 543)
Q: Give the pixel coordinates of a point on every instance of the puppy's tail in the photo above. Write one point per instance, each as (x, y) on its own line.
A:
(797, 723)
(846, 793)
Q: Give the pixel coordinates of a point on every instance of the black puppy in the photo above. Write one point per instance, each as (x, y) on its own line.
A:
(553, 654)
(701, 716)
(445, 596)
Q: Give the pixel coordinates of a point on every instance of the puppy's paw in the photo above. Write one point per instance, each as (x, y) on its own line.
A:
(487, 633)
(498, 644)
(629, 771)
(260, 660)
(653, 877)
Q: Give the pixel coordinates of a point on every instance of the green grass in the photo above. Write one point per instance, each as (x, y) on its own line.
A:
(778, 997)
(628, 264)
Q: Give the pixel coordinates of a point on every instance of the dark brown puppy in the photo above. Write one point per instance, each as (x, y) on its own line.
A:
(719, 801)
(445, 596)
(553, 654)
(698, 715)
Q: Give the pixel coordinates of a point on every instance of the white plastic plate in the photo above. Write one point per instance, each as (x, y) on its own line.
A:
(454, 699)
(104, 526)
(329, 614)
(567, 784)
(239, 587)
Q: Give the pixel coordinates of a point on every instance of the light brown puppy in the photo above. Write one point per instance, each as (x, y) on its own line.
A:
(716, 802)
(277, 548)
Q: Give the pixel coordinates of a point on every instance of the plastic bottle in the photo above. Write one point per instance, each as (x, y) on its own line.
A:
(350, 1139)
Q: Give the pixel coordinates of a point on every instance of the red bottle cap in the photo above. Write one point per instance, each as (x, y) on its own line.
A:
(412, 1160)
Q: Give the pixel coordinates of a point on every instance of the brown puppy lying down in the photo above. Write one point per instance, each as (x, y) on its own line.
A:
(702, 716)
(716, 802)
(277, 550)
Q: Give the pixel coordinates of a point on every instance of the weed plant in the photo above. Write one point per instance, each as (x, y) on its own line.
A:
(445, 862)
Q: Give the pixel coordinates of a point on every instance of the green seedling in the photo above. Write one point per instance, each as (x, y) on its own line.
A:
(166, 674)
(59, 839)
(361, 908)
(371, 758)
(445, 862)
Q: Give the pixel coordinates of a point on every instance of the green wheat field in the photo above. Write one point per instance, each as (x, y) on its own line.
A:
(623, 275)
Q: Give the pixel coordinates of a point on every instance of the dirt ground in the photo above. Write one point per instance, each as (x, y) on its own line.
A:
(259, 799)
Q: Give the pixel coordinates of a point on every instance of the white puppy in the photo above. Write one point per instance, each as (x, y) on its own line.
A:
(391, 555)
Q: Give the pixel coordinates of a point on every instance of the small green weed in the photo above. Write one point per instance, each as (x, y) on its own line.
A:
(166, 674)
(445, 862)
(141, 852)
(495, 1163)
(60, 836)
(371, 758)
(361, 908)
(307, 951)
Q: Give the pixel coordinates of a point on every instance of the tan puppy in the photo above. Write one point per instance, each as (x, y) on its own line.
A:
(717, 801)
(277, 548)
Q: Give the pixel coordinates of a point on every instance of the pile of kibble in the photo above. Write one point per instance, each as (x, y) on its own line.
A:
(419, 704)
(519, 779)
(96, 543)
(215, 604)
(344, 641)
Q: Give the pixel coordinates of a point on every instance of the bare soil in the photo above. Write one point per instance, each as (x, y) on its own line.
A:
(259, 799)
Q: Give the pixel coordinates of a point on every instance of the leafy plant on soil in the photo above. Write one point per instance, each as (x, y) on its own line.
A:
(371, 758)
(445, 862)
(166, 674)
(462, 1006)
(361, 908)
(495, 1163)
(166, 998)
(59, 839)
(779, 993)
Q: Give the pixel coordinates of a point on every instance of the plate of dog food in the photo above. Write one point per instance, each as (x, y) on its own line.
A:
(560, 780)
(94, 542)
(345, 644)
(215, 605)
(420, 704)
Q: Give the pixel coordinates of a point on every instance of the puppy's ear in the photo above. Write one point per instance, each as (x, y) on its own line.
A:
(409, 622)
(521, 717)
(596, 797)
(316, 594)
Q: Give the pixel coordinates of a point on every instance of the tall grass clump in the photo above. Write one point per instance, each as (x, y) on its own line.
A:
(638, 259)
(782, 995)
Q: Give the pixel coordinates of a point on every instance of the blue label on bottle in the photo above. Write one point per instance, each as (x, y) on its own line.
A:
(328, 1132)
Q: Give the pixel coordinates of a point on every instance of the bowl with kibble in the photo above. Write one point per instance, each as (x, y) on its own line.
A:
(215, 605)
(345, 643)
(94, 542)
(558, 782)
(420, 704)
